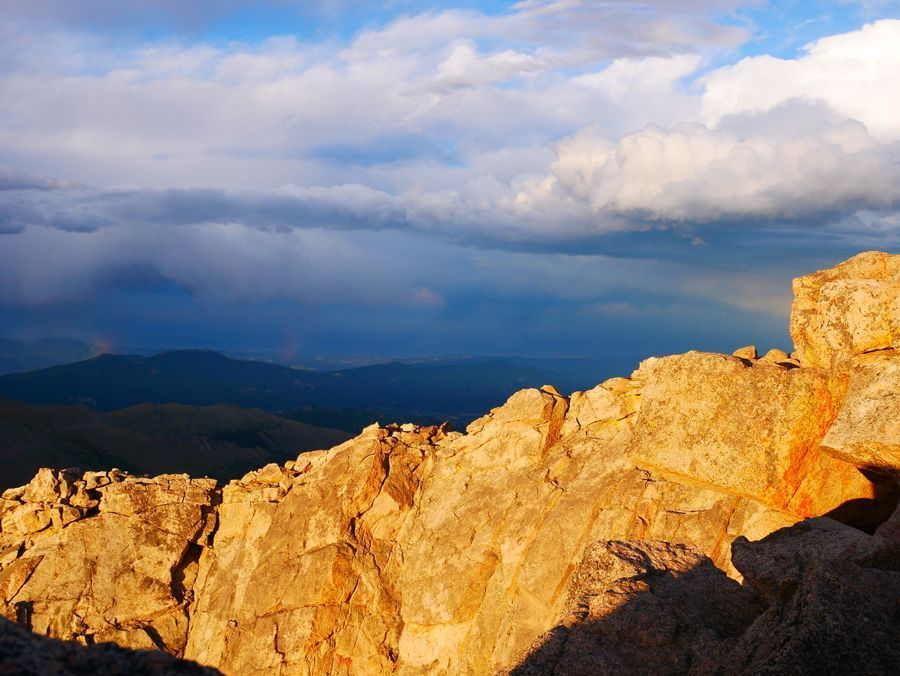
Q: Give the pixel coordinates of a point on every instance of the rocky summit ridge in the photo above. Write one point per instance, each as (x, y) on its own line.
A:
(711, 514)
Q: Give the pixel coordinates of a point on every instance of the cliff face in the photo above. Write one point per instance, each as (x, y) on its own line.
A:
(550, 535)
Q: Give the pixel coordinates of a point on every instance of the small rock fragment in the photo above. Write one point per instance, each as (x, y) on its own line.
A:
(748, 352)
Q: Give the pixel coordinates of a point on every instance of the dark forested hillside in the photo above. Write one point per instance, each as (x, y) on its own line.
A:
(223, 442)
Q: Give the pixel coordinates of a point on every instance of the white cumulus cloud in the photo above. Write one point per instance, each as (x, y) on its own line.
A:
(855, 73)
(554, 128)
(695, 174)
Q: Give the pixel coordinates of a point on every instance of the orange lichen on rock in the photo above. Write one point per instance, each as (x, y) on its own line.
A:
(752, 430)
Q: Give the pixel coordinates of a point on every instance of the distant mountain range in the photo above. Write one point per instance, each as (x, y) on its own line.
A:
(201, 412)
(455, 389)
(17, 356)
(223, 442)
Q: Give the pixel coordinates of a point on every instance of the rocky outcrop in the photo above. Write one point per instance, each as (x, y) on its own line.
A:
(103, 556)
(417, 550)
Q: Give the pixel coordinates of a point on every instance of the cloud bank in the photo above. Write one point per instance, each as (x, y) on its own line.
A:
(439, 155)
(693, 174)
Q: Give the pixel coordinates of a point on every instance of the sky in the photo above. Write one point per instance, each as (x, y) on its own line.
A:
(543, 177)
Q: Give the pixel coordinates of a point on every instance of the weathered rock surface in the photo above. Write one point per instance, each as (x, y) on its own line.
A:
(416, 550)
(25, 654)
(847, 310)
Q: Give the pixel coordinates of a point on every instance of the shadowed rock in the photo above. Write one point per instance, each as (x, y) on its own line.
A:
(819, 598)
(25, 654)
(637, 607)
(834, 603)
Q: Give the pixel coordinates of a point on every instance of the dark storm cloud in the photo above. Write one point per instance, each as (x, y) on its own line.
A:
(562, 218)
(80, 209)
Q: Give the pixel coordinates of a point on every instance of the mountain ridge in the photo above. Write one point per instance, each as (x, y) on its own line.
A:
(206, 377)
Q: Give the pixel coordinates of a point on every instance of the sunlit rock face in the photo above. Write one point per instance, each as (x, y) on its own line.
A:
(866, 431)
(851, 309)
(749, 428)
(102, 556)
(554, 522)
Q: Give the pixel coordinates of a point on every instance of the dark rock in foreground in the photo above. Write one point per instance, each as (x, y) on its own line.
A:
(26, 654)
(819, 598)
